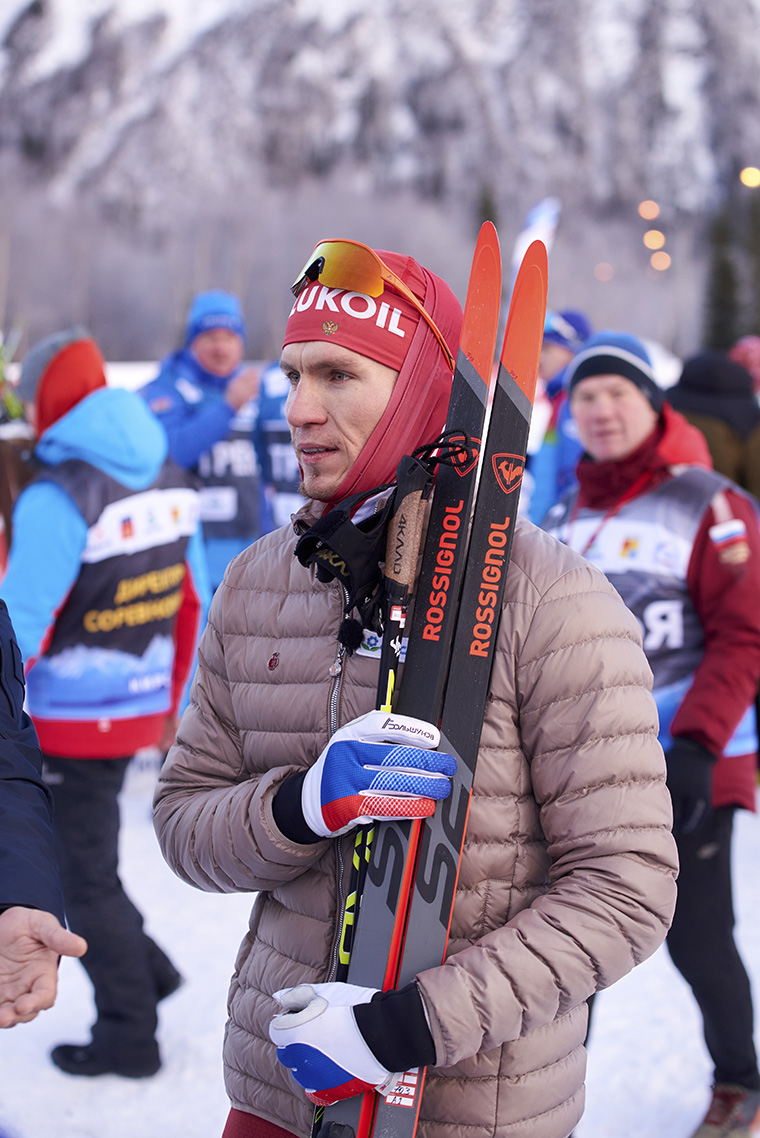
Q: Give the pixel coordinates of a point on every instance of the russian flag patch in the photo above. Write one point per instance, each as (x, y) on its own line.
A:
(730, 540)
(726, 532)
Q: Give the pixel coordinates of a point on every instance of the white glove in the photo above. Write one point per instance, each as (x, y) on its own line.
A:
(378, 766)
(318, 1039)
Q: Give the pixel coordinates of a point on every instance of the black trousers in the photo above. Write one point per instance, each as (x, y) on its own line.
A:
(702, 947)
(125, 966)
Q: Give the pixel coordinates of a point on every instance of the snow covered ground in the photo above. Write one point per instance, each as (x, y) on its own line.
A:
(648, 1072)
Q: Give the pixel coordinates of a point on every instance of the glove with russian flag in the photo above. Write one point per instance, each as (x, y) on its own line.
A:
(337, 1038)
(379, 766)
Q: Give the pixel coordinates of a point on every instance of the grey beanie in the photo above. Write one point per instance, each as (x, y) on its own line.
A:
(39, 356)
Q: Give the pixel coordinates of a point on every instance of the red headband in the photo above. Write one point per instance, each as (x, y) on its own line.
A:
(378, 327)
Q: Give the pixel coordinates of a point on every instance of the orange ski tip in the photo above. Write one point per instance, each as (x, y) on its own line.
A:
(522, 344)
(538, 254)
(478, 342)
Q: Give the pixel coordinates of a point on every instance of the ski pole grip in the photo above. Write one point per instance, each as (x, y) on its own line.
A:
(413, 483)
(403, 546)
(404, 533)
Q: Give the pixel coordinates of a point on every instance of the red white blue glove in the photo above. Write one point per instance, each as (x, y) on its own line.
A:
(318, 1039)
(378, 766)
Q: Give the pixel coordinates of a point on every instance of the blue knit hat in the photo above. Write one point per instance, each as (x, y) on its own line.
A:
(569, 328)
(214, 309)
(615, 353)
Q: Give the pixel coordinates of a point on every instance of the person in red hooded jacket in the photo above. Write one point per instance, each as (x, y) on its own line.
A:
(681, 544)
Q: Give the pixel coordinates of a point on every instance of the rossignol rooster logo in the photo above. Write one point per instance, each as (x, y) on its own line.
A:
(508, 469)
(466, 456)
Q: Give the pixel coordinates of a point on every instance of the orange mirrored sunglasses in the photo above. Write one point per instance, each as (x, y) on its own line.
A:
(356, 267)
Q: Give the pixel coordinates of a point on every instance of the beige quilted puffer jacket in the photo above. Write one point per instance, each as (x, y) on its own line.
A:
(568, 875)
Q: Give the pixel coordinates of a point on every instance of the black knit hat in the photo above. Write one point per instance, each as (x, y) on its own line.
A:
(711, 384)
(615, 353)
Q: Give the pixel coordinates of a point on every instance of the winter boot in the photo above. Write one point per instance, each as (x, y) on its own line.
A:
(89, 1059)
(733, 1113)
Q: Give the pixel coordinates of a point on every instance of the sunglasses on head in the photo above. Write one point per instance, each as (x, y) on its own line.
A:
(353, 266)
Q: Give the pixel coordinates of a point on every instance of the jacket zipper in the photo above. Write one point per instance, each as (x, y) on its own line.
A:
(336, 671)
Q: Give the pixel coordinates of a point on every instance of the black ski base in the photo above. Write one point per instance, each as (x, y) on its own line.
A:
(336, 1130)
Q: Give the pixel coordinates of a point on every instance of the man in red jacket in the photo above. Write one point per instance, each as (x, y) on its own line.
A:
(681, 544)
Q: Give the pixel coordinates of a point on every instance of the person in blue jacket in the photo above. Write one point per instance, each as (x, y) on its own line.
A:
(280, 473)
(204, 398)
(32, 933)
(551, 468)
(106, 589)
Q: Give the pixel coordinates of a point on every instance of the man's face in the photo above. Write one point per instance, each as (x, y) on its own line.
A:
(613, 416)
(337, 398)
(219, 351)
(552, 359)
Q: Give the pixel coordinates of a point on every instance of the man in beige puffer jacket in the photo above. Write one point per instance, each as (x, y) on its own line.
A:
(568, 871)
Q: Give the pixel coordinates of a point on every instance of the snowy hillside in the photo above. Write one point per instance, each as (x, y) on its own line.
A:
(152, 147)
(604, 99)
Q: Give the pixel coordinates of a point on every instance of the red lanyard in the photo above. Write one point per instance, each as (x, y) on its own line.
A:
(633, 491)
